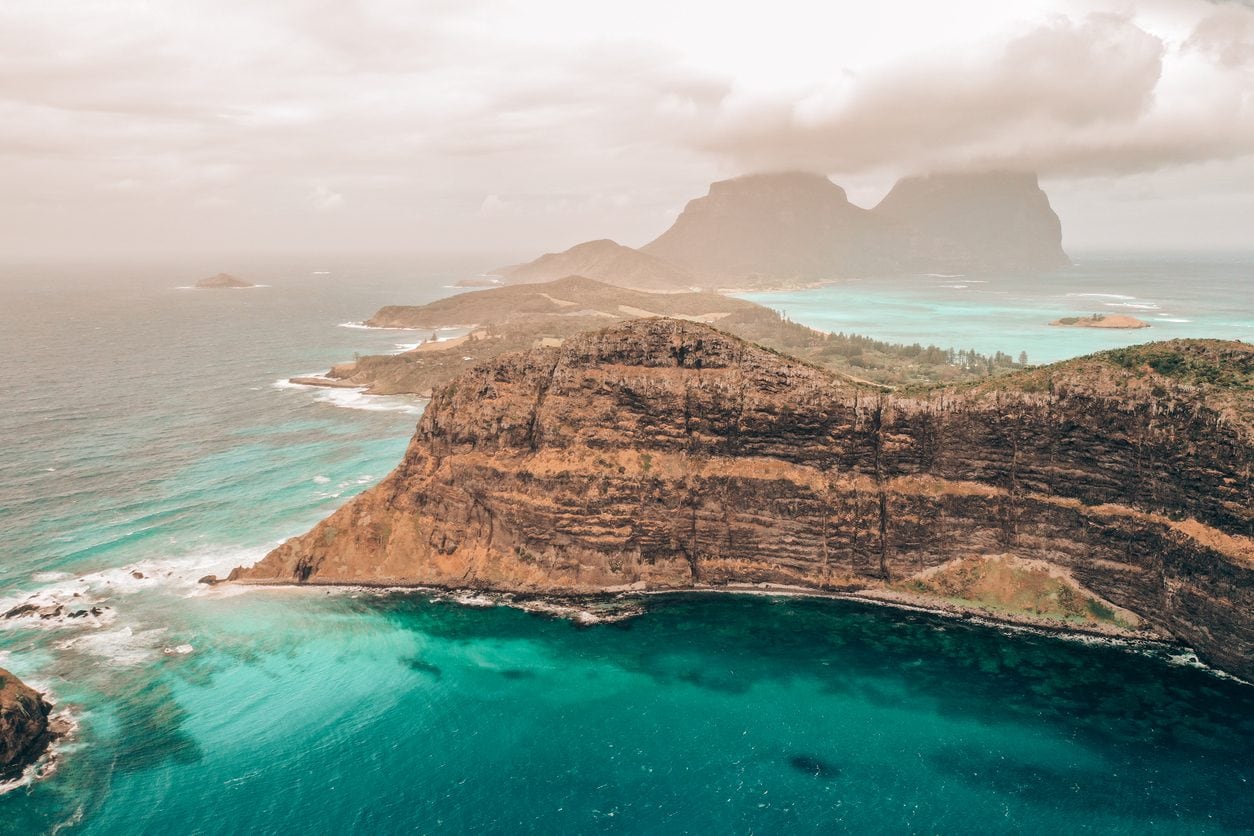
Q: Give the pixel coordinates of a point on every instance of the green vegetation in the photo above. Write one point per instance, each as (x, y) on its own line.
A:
(1190, 361)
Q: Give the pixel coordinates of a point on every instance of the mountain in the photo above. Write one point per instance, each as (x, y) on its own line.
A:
(776, 227)
(607, 261)
(772, 229)
(1109, 493)
(978, 223)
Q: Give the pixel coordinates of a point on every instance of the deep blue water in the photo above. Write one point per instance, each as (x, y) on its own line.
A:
(144, 432)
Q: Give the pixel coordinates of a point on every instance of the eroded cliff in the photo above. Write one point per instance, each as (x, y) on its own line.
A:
(666, 454)
(23, 724)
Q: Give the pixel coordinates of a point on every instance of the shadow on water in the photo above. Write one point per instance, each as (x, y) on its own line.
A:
(888, 658)
(150, 729)
(1130, 786)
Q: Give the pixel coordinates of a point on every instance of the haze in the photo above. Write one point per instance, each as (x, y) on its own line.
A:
(130, 128)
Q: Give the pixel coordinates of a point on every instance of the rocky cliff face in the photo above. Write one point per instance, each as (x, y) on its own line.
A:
(773, 228)
(992, 221)
(776, 226)
(665, 454)
(23, 723)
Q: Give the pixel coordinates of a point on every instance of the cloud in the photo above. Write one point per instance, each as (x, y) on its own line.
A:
(324, 199)
(229, 120)
(1098, 95)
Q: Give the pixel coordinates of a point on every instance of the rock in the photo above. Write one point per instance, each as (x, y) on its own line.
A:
(778, 229)
(24, 732)
(21, 610)
(137, 575)
(668, 454)
(1100, 321)
(223, 280)
(993, 221)
(210, 580)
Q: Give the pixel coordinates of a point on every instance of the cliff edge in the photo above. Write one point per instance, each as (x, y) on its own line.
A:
(24, 729)
(663, 454)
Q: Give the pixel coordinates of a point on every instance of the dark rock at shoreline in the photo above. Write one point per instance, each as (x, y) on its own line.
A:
(24, 730)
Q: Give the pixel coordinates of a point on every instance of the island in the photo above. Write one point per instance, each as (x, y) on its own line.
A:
(517, 317)
(1100, 321)
(223, 280)
(1109, 493)
(24, 726)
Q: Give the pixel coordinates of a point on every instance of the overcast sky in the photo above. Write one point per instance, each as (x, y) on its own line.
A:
(137, 128)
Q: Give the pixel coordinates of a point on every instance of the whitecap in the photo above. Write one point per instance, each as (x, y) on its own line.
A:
(1171, 319)
(363, 326)
(1150, 306)
(1102, 295)
(358, 399)
(124, 646)
(321, 480)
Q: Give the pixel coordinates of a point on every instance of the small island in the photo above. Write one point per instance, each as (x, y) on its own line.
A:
(223, 280)
(1100, 321)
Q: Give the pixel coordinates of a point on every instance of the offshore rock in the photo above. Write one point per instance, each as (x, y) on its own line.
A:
(662, 454)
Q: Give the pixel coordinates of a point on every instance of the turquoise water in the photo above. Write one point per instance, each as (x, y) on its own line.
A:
(1178, 296)
(144, 432)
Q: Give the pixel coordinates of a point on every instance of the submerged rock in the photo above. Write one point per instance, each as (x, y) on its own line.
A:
(24, 730)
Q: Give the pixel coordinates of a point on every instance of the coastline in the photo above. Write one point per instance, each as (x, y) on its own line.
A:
(580, 607)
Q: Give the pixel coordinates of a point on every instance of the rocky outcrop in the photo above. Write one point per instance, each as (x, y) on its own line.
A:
(223, 280)
(665, 454)
(605, 261)
(794, 228)
(977, 223)
(1119, 321)
(24, 729)
(768, 228)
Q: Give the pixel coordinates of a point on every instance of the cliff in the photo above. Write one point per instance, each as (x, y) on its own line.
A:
(769, 229)
(978, 223)
(605, 261)
(663, 454)
(23, 724)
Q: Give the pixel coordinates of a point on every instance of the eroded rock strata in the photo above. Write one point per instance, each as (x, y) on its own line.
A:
(23, 724)
(665, 454)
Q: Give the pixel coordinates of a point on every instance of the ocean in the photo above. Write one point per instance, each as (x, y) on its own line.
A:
(149, 440)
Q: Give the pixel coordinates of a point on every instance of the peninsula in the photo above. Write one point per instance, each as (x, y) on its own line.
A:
(1110, 492)
(524, 316)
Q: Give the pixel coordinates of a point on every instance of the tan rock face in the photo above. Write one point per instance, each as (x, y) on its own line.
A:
(23, 723)
(666, 454)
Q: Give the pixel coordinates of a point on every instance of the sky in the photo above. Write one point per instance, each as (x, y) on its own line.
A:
(136, 129)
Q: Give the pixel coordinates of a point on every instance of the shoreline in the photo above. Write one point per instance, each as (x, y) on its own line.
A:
(575, 606)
